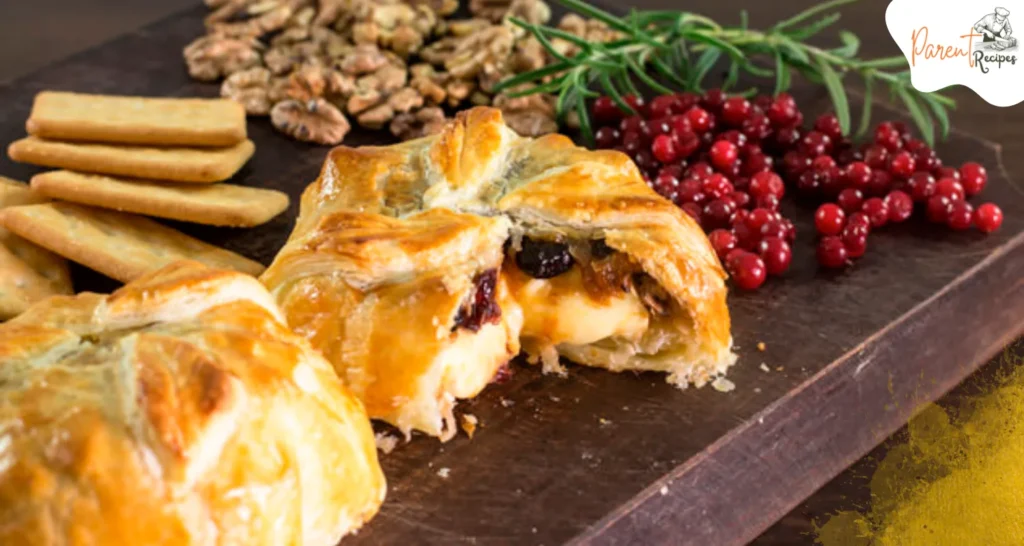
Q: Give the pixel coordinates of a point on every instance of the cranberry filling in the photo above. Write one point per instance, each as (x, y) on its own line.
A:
(543, 259)
(481, 308)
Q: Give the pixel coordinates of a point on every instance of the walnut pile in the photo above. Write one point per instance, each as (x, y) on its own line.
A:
(312, 65)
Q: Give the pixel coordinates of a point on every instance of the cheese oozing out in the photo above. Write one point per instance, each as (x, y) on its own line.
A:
(561, 309)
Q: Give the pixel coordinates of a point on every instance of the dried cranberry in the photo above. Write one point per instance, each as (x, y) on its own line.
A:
(543, 259)
(483, 307)
(599, 249)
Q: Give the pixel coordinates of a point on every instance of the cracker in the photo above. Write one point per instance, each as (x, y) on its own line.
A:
(20, 285)
(119, 245)
(49, 265)
(137, 120)
(198, 165)
(215, 204)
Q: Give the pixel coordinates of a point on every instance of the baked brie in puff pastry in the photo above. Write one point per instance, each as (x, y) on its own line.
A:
(180, 410)
(419, 268)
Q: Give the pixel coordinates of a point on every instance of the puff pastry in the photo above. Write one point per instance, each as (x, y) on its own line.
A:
(391, 242)
(177, 411)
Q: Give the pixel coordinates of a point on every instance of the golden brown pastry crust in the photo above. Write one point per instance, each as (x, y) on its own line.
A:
(179, 410)
(408, 226)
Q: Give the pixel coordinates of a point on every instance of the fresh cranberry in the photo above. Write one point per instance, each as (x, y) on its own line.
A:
(829, 125)
(659, 126)
(786, 138)
(762, 102)
(693, 210)
(888, 136)
(741, 183)
(901, 206)
(723, 154)
(960, 215)
(716, 214)
(876, 156)
(829, 219)
(664, 149)
(914, 145)
(849, 155)
(776, 254)
(691, 191)
(950, 188)
(741, 198)
(633, 124)
(757, 127)
(680, 124)
(700, 171)
(859, 219)
(735, 110)
(808, 182)
(686, 144)
(902, 129)
(927, 160)
(767, 183)
(758, 218)
(795, 163)
(921, 186)
(675, 170)
(632, 143)
(832, 252)
(757, 163)
(857, 175)
(973, 176)
(775, 228)
(850, 199)
(605, 111)
(717, 186)
(902, 165)
(666, 184)
(815, 144)
(713, 100)
(700, 119)
(687, 100)
(739, 216)
(938, 208)
(723, 241)
(783, 112)
(877, 211)
(768, 201)
(638, 104)
(988, 218)
(607, 137)
(855, 239)
(663, 106)
(748, 271)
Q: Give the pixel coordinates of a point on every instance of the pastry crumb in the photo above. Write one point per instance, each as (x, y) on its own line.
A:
(469, 424)
(722, 384)
(443, 472)
(760, 420)
(757, 389)
(779, 368)
(385, 442)
(765, 368)
(505, 402)
(663, 490)
(604, 421)
(761, 346)
(554, 398)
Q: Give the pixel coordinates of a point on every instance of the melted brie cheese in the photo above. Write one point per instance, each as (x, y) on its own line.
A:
(560, 309)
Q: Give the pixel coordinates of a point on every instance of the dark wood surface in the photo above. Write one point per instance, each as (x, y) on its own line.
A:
(589, 458)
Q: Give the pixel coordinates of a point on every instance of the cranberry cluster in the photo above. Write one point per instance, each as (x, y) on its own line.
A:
(880, 182)
(720, 158)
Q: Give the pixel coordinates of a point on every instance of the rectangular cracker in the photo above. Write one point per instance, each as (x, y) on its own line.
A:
(119, 245)
(20, 285)
(214, 204)
(197, 165)
(59, 115)
(49, 265)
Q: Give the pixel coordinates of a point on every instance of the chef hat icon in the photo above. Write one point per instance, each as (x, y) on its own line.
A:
(1002, 12)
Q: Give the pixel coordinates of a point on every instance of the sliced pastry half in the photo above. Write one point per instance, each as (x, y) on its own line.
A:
(419, 268)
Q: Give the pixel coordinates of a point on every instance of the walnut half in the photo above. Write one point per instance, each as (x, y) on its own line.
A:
(313, 121)
(251, 88)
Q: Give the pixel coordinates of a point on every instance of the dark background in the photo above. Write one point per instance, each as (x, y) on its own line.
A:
(36, 32)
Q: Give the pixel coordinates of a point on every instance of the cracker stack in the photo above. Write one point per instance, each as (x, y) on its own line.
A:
(122, 157)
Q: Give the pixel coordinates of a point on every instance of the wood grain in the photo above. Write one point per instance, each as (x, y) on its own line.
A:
(585, 459)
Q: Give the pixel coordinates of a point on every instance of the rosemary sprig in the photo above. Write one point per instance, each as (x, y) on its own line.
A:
(670, 50)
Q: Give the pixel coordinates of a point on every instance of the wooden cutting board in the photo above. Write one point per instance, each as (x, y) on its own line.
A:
(626, 459)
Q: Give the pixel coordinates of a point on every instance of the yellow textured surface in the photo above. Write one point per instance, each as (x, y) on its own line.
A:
(959, 479)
